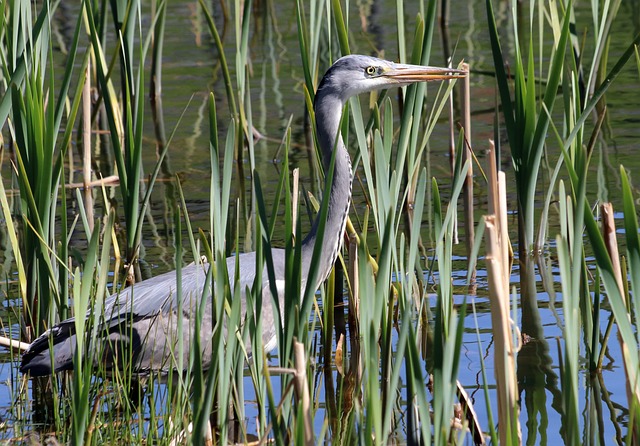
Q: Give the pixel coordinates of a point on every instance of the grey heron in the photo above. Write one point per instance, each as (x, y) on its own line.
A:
(144, 317)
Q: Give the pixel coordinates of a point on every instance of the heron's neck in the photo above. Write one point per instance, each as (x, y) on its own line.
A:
(328, 111)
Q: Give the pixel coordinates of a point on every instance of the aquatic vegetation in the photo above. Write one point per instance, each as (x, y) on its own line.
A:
(396, 346)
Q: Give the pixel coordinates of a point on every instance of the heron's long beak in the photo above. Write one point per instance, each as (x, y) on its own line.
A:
(403, 73)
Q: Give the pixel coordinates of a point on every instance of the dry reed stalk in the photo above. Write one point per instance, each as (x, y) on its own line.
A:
(498, 276)
(13, 344)
(497, 192)
(302, 390)
(452, 160)
(111, 180)
(469, 219)
(339, 356)
(505, 243)
(611, 243)
(501, 326)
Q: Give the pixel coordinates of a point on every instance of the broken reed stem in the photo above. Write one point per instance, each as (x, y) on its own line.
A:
(13, 344)
(497, 191)
(111, 180)
(302, 390)
(501, 326)
(611, 243)
(505, 243)
(452, 161)
(469, 219)
(498, 268)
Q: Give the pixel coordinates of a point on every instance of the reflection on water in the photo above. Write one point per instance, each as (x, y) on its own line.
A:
(191, 70)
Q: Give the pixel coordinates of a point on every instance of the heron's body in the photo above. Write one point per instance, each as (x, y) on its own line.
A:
(144, 318)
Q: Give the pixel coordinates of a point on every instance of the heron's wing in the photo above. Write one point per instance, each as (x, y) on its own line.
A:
(157, 294)
(142, 300)
(140, 305)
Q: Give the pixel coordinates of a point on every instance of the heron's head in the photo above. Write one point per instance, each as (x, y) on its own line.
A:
(355, 74)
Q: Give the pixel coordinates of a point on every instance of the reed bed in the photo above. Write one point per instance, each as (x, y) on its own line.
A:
(385, 369)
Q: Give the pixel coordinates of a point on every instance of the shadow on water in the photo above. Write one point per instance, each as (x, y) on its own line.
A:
(536, 377)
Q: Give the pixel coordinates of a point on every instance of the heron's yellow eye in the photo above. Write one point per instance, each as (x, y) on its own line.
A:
(370, 70)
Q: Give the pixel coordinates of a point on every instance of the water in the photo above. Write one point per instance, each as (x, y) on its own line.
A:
(191, 71)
